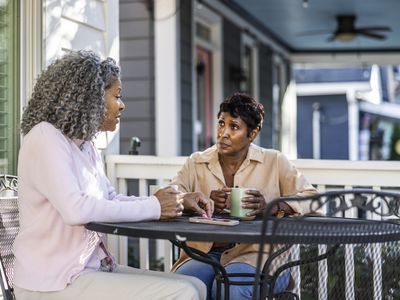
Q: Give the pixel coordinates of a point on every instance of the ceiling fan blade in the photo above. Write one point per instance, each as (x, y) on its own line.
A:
(374, 28)
(372, 35)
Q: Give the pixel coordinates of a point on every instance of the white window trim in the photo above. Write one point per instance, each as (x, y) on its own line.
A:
(208, 18)
(31, 45)
(250, 42)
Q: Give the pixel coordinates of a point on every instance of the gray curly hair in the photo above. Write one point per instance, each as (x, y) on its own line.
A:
(70, 94)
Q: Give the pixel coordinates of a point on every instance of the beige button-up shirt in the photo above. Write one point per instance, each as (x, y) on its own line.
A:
(267, 170)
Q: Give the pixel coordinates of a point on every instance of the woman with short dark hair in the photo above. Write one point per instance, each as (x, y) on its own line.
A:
(235, 161)
(62, 186)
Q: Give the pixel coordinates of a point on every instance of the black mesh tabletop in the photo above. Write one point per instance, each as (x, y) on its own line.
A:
(317, 230)
(293, 230)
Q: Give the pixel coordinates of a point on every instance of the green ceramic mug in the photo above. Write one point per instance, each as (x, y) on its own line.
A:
(236, 203)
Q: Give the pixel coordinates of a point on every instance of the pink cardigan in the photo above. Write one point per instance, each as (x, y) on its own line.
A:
(61, 189)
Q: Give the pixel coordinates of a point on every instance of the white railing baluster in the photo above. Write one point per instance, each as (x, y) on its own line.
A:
(322, 265)
(123, 250)
(118, 245)
(349, 271)
(377, 260)
(296, 270)
(323, 275)
(144, 253)
(144, 260)
(123, 240)
(167, 256)
(349, 254)
(143, 189)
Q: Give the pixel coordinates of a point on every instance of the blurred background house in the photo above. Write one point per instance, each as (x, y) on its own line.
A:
(348, 113)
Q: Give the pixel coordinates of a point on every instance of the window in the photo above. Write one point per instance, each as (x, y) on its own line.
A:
(207, 75)
(247, 85)
(249, 65)
(204, 119)
(203, 32)
(9, 98)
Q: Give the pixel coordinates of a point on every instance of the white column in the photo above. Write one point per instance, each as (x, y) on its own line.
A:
(316, 130)
(167, 77)
(349, 272)
(353, 113)
(289, 122)
(31, 48)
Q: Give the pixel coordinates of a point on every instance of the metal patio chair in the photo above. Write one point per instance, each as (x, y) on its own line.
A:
(9, 226)
(351, 251)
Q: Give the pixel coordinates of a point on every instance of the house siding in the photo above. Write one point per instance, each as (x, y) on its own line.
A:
(232, 57)
(137, 62)
(186, 63)
(265, 84)
(77, 25)
(334, 127)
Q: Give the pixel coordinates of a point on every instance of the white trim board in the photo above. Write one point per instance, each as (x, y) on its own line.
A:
(167, 78)
(334, 88)
(353, 59)
(383, 109)
(212, 20)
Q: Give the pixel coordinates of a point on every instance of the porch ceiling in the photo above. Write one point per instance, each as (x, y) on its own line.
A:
(285, 20)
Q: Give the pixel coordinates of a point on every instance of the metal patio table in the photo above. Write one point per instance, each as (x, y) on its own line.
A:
(292, 230)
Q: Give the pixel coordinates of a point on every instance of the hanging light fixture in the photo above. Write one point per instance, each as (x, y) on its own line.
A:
(305, 3)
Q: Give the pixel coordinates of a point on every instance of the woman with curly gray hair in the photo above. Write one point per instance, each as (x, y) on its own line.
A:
(62, 186)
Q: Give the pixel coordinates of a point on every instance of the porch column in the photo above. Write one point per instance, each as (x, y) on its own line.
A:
(167, 77)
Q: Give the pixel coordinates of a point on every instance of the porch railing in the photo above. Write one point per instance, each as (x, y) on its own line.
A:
(324, 174)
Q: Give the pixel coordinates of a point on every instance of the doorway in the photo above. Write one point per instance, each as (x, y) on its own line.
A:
(204, 122)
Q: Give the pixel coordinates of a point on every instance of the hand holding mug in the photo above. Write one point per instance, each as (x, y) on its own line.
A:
(221, 198)
(254, 201)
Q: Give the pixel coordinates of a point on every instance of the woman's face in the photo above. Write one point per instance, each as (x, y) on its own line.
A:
(114, 106)
(232, 135)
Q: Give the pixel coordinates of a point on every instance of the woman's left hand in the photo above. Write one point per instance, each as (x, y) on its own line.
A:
(254, 201)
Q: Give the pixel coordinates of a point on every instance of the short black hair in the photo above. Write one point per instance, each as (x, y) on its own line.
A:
(244, 106)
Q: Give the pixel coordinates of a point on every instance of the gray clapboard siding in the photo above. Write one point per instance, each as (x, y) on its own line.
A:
(265, 84)
(232, 59)
(186, 66)
(137, 63)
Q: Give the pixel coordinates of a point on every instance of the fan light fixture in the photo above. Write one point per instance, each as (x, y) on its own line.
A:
(345, 36)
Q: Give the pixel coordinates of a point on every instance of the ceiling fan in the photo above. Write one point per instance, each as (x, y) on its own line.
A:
(347, 31)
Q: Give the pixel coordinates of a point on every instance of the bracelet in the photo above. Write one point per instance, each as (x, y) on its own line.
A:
(280, 213)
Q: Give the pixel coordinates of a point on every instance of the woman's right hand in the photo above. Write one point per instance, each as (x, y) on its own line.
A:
(170, 202)
(221, 198)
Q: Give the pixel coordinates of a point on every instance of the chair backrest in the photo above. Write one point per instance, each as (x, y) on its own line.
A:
(9, 226)
(355, 240)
